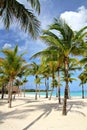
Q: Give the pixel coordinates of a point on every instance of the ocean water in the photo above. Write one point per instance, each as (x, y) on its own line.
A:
(72, 93)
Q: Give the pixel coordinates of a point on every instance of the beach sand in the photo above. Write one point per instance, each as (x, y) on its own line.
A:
(43, 114)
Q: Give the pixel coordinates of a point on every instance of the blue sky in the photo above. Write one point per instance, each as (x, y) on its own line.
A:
(73, 11)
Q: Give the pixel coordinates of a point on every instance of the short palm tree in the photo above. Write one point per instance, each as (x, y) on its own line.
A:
(3, 83)
(83, 79)
(11, 67)
(54, 54)
(44, 71)
(34, 71)
(11, 10)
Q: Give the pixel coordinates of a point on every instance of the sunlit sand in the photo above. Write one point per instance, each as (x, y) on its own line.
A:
(43, 114)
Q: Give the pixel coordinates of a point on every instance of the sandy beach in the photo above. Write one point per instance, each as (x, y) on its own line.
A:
(43, 114)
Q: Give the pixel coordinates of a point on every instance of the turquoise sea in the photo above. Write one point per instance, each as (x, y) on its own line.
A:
(72, 93)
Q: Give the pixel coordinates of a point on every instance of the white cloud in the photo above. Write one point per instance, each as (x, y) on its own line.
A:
(7, 46)
(76, 20)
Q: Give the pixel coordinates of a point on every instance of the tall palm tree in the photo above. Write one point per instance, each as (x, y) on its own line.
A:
(68, 41)
(11, 10)
(11, 67)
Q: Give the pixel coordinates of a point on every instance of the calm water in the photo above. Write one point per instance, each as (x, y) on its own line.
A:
(73, 93)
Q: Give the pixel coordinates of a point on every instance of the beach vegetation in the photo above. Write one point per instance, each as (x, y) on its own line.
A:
(11, 68)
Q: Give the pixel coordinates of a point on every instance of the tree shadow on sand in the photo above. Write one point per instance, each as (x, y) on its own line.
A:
(45, 108)
(78, 105)
(48, 107)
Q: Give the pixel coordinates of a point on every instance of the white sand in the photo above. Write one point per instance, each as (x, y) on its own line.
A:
(28, 114)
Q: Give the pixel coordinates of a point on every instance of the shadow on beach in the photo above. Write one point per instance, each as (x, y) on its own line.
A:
(45, 107)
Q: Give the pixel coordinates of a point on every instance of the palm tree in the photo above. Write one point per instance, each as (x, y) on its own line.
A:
(3, 82)
(38, 82)
(83, 79)
(11, 10)
(24, 81)
(34, 71)
(11, 67)
(53, 54)
(44, 71)
(69, 42)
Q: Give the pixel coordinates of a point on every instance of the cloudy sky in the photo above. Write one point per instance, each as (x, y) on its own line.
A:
(73, 11)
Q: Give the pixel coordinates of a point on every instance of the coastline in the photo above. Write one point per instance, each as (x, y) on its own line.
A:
(43, 114)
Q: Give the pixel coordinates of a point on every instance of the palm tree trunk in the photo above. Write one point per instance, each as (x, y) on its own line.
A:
(64, 112)
(3, 90)
(36, 93)
(59, 98)
(36, 90)
(24, 90)
(56, 91)
(39, 90)
(51, 93)
(47, 87)
(82, 91)
(10, 92)
(53, 84)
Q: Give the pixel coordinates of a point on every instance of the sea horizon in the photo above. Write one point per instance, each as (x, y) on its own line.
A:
(72, 93)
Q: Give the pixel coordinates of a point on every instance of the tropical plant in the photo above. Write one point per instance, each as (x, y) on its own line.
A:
(34, 71)
(11, 67)
(38, 82)
(69, 43)
(24, 81)
(54, 55)
(11, 10)
(83, 79)
(3, 83)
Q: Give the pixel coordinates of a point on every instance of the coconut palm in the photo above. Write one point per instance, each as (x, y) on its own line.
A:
(34, 71)
(11, 10)
(68, 41)
(3, 83)
(55, 55)
(38, 82)
(24, 81)
(83, 79)
(44, 71)
(11, 67)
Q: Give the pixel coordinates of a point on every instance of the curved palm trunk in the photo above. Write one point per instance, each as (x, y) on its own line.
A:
(64, 112)
(10, 92)
(59, 98)
(82, 91)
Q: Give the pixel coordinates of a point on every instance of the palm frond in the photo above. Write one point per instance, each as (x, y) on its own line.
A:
(35, 4)
(79, 34)
(26, 18)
